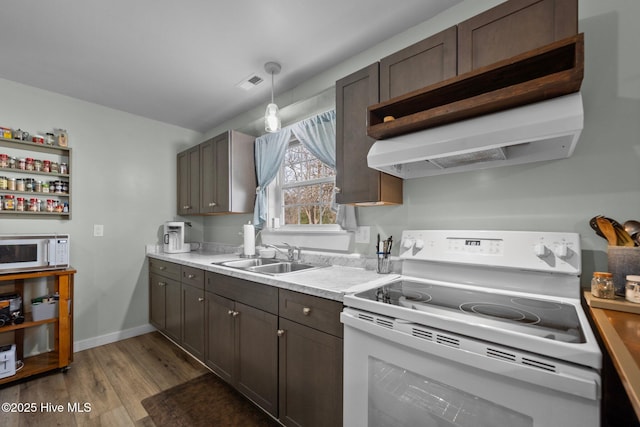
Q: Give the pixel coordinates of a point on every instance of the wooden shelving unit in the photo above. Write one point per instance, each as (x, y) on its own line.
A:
(62, 354)
(553, 70)
(62, 154)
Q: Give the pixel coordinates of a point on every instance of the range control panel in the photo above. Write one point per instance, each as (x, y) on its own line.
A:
(527, 250)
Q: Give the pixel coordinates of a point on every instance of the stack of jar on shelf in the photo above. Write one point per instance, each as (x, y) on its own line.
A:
(57, 137)
(31, 164)
(12, 202)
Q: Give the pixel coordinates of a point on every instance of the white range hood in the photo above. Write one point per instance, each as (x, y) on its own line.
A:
(545, 130)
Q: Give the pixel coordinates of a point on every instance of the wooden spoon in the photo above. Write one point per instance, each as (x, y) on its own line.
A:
(607, 229)
(624, 239)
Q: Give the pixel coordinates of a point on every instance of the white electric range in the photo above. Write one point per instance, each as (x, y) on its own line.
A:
(482, 328)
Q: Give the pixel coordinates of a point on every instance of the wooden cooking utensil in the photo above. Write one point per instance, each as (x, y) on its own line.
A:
(624, 239)
(605, 226)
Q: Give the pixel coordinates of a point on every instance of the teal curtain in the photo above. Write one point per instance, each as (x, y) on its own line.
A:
(318, 135)
(269, 154)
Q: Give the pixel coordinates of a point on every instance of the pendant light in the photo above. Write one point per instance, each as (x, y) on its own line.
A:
(271, 117)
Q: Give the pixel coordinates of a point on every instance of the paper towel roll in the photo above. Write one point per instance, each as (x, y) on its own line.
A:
(249, 239)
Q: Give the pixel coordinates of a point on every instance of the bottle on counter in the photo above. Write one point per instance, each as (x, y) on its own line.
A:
(602, 285)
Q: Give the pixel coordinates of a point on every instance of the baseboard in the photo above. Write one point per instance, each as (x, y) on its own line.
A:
(112, 337)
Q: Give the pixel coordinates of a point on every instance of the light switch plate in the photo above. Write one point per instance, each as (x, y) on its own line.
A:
(363, 234)
(98, 230)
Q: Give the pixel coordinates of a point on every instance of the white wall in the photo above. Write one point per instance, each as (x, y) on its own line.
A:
(124, 177)
(602, 177)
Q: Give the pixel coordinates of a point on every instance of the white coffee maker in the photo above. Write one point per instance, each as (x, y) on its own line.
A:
(173, 238)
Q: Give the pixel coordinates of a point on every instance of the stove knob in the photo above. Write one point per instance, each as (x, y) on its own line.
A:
(540, 250)
(562, 251)
(407, 243)
(419, 244)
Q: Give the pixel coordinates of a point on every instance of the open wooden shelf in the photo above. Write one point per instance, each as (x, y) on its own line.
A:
(34, 365)
(553, 70)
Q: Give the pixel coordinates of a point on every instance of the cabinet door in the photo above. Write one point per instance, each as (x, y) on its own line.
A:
(214, 171)
(193, 317)
(355, 181)
(310, 377)
(157, 298)
(220, 337)
(257, 349)
(514, 27)
(427, 62)
(189, 181)
(172, 307)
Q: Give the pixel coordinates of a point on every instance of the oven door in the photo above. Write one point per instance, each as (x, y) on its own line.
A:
(401, 374)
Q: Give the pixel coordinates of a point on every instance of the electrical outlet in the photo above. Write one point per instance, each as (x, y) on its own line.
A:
(98, 230)
(363, 235)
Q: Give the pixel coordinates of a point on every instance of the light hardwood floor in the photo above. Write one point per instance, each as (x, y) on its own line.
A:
(113, 379)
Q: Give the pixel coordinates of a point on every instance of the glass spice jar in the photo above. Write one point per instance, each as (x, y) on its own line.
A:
(50, 205)
(64, 169)
(55, 168)
(4, 183)
(12, 163)
(29, 164)
(34, 204)
(22, 164)
(19, 184)
(11, 184)
(9, 202)
(4, 161)
(46, 166)
(602, 285)
(20, 204)
(37, 165)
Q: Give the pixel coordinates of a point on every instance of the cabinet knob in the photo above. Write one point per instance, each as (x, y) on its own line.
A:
(191, 276)
(186, 207)
(306, 311)
(336, 189)
(233, 313)
(280, 332)
(162, 284)
(162, 268)
(212, 204)
(200, 299)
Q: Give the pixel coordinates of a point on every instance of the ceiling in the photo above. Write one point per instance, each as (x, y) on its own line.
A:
(180, 62)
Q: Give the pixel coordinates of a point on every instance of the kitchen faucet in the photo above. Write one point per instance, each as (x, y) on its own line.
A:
(291, 257)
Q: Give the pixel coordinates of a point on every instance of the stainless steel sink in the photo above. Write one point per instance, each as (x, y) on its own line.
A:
(270, 266)
(281, 268)
(249, 262)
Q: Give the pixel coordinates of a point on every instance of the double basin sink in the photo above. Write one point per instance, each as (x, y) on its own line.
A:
(269, 266)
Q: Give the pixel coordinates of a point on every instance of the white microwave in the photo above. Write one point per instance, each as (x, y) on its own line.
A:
(20, 253)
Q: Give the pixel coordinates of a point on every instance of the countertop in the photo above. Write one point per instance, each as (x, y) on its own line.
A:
(620, 332)
(331, 282)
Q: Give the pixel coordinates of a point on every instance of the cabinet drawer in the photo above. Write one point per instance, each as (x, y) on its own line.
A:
(257, 295)
(193, 276)
(164, 268)
(318, 313)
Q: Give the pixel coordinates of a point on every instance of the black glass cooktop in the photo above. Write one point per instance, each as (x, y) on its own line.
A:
(560, 320)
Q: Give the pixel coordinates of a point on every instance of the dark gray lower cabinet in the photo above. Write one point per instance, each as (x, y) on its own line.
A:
(310, 365)
(164, 307)
(310, 377)
(192, 321)
(281, 349)
(242, 340)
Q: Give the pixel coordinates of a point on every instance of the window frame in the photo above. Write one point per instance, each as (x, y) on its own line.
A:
(275, 202)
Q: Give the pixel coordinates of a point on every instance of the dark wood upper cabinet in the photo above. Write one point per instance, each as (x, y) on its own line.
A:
(189, 181)
(228, 174)
(421, 64)
(512, 28)
(356, 183)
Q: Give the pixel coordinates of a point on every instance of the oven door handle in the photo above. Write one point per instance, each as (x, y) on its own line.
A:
(569, 379)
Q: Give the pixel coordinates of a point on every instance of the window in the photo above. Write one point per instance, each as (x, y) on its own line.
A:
(304, 188)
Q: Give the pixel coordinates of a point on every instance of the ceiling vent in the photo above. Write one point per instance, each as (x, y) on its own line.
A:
(250, 82)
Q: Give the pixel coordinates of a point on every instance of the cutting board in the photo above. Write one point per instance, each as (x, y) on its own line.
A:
(618, 304)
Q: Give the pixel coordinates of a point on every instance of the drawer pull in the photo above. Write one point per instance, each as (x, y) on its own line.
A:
(233, 313)
(200, 299)
(280, 332)
(191, 276)
(162, 284)
(306, 311)
(212, 204)
(162, 268)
